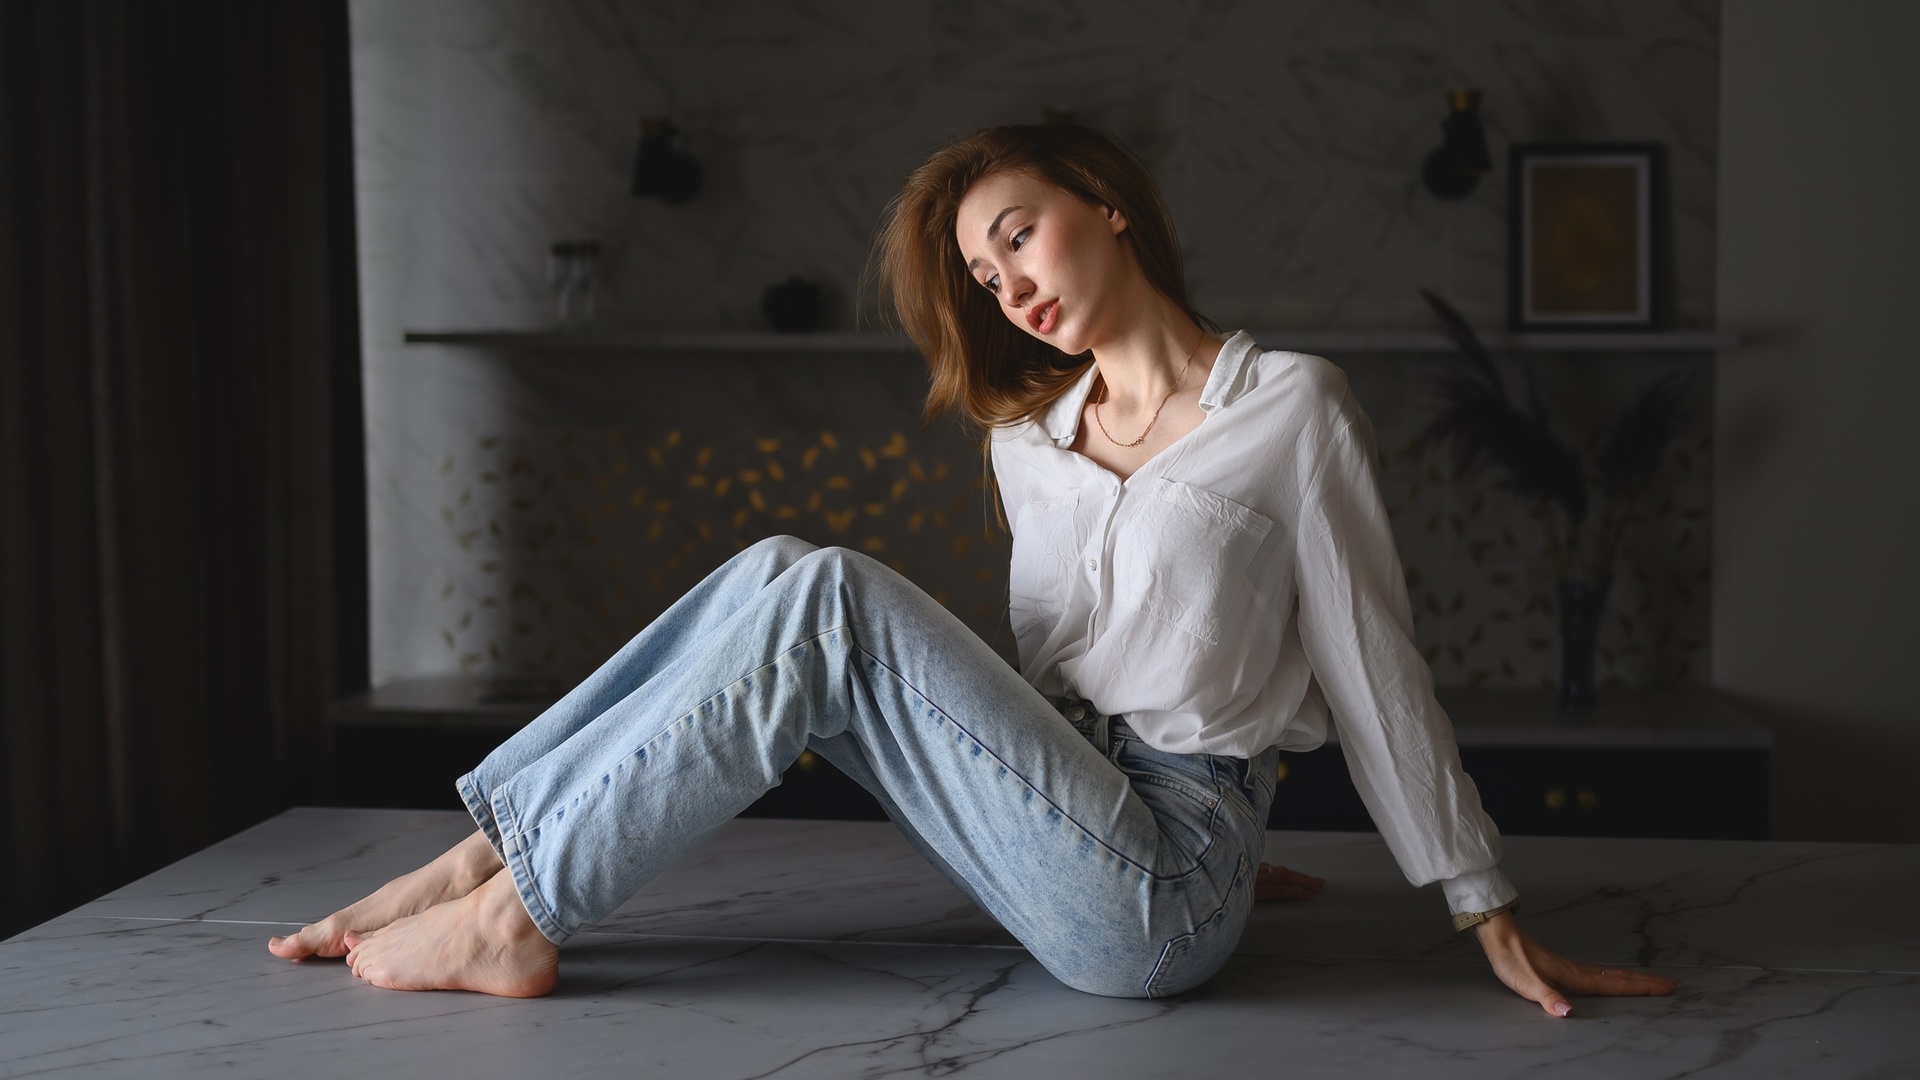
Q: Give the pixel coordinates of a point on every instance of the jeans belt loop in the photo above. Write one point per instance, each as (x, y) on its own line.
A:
(1102, 729)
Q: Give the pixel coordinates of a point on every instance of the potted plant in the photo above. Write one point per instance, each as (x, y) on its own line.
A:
(1482, 427)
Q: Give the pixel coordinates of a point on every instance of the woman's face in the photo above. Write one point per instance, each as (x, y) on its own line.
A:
(1057, 266)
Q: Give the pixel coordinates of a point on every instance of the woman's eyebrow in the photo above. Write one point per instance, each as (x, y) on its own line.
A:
(994, 229)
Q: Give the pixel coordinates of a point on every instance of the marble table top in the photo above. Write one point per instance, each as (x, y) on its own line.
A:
(828, 949)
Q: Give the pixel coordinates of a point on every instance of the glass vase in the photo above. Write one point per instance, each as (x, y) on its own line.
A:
(1581, 604)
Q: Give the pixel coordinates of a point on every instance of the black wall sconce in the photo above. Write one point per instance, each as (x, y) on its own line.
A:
(659, 170)
(1457, 164)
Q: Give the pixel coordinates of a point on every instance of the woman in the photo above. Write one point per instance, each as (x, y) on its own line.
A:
(1201, 569)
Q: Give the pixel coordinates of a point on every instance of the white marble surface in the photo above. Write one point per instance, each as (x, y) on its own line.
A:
(828, 949)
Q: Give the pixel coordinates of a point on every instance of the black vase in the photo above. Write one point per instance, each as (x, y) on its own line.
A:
(793, 305)
(659, 170)
(1581, 604)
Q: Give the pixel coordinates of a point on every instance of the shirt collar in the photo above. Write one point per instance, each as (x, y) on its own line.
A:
(1062, 419)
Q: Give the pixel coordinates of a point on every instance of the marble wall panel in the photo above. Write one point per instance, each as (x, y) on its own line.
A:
(1287, 135)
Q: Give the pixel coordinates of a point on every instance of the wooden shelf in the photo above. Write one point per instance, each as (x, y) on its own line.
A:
(876, 344)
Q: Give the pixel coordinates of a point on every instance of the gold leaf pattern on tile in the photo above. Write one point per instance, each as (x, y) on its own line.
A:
(551, 523)
(1466, 532)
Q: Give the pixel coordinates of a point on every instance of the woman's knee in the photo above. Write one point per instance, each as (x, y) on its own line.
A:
(839, 562)
(781, 551)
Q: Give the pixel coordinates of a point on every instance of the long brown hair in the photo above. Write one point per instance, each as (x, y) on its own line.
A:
(982, 366)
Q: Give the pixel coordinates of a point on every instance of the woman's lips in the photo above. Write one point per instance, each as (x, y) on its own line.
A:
(1042, 317)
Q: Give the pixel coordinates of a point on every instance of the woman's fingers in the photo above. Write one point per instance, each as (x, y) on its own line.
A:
(1279, 883)
(1272, 872)
(1583, 978)
(1543, 976)
(1613, 982)
(1529, 983)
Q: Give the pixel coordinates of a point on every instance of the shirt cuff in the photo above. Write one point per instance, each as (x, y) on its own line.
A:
(1480, 890)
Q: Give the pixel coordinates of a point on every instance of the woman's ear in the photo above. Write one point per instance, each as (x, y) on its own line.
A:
(1116, 220)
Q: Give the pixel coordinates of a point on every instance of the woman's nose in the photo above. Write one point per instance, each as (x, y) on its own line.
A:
(1019, 291)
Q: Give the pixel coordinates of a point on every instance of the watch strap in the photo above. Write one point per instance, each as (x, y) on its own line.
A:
(1475, 918)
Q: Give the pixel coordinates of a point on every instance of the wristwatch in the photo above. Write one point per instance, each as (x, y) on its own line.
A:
(1475, 918)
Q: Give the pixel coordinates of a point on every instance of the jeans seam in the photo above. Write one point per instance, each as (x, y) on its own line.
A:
(525, 884)
(530, 898)
(1011, 771)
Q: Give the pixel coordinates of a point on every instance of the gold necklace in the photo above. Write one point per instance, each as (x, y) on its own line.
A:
(1195, 351)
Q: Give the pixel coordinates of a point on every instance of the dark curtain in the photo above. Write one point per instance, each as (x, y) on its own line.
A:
(183, 534)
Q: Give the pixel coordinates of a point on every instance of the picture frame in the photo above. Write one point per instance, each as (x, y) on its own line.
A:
(1586, 235)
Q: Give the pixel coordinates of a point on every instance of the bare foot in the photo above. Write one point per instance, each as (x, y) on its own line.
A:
(483, 941)
(458, 871)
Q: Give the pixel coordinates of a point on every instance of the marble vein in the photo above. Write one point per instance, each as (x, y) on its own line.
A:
(761, 954)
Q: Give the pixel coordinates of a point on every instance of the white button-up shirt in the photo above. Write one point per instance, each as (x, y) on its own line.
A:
(1235, 589)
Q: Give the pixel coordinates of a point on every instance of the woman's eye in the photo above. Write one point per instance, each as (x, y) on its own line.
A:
(992, 283)
(1018, 238)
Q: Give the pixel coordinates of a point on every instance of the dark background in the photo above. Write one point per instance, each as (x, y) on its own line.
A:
(184, 536)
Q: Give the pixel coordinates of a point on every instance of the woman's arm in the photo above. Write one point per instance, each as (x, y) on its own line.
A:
(1356, 625)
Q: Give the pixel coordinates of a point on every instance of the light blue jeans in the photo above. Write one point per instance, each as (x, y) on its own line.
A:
(1124, 870)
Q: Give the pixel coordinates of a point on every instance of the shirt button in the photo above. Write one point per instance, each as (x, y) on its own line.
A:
(1093, 564)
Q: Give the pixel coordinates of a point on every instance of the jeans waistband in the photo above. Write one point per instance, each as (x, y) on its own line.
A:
(1097, 727)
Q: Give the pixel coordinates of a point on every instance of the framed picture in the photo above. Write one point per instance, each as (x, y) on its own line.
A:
(1585, 240)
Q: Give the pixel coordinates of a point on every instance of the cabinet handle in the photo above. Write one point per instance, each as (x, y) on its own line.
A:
(1556, 799)
(1586, 799)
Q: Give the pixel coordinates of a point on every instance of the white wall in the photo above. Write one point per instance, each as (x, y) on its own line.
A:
(1816, 601)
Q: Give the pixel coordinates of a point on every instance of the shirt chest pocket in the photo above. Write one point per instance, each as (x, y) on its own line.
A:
(1184, 554)
(1044, 547)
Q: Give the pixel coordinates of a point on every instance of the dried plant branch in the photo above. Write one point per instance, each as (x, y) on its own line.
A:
(1482, 427)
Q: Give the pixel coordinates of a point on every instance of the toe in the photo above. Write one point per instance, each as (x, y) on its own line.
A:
(295, 946)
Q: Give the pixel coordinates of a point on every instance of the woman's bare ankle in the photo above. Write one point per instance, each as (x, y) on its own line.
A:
(475, 862)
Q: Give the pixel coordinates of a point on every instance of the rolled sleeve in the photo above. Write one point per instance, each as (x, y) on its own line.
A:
(1479, 890)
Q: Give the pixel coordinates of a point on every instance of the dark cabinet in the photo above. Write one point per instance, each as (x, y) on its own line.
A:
(1678, 761)
(1717, 793)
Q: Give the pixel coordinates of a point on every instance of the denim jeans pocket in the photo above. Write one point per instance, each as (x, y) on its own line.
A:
(1182, 790)
(1191, 959)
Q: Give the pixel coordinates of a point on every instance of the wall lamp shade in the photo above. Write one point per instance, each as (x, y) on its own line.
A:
(660, 171)
(1457, 164)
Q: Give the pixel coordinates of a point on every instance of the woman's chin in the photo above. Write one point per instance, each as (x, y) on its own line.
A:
(1067, 342)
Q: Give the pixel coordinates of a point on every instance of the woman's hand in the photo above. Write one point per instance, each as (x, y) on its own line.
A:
(1538, 974)
(1279, 883)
